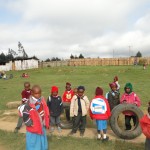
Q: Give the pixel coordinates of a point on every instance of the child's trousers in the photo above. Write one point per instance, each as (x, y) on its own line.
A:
(55, 120)
(20, 122)
(79, 122)
(128, 120)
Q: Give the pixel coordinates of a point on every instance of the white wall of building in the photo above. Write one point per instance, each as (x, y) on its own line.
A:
(20, 65)
(6, 67)
(26, 64)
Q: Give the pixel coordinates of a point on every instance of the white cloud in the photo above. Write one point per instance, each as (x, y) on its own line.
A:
(60, 28)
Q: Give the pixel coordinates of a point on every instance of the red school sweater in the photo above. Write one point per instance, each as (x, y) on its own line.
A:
(67, 96)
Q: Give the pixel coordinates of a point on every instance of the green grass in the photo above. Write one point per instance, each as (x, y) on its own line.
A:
(14, 141)
(89, 76)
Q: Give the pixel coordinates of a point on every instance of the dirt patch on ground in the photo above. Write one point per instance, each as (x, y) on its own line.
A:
(8, 122)
(2, 147)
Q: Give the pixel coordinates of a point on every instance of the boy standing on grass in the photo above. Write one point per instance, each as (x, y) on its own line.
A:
(100, 111)
(113, 96)
(145, 125)
(36, 118)
(54, 103)
(25, 97)
(78, 110)
(130, 97)
(67, 96)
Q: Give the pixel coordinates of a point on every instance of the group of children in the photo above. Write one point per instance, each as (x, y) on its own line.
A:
(38, 115)
(4, 76)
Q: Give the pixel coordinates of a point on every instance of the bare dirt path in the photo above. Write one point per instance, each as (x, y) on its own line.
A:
(8, 121)
(2, 147)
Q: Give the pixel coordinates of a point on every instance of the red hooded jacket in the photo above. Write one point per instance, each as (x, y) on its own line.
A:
(99, 108)
(145, 125)
(32, 119)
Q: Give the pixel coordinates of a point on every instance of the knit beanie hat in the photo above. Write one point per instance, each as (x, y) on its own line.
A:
(81, 88)
(128, 85)
(54, 89)
(99, 91)
(67, 83)
(113, 84)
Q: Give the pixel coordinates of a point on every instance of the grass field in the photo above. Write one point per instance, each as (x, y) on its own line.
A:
(90, 77)
(17, 142)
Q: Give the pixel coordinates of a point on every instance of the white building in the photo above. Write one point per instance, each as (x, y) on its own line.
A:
(20, 64)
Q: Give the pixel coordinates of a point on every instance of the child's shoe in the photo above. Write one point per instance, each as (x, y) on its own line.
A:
(16, 129)
(81, 134)
(106, 139)
(59, 129)
(98, 137)
(52, 129)
(71, 133)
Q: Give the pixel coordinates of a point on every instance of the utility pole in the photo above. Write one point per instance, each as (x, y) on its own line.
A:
(113, 53)
(129, 50)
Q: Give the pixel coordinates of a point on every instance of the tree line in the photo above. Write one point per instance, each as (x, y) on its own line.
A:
(5, 58)
(59, 59)
(138, 54)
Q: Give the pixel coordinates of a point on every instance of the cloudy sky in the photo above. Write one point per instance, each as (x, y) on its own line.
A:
(59, 28)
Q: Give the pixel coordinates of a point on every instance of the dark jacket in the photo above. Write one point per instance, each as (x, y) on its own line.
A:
(113, 99)
(55, 105)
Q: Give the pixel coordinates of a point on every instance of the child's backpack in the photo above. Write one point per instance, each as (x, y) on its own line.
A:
(20, 109)
(98, 106)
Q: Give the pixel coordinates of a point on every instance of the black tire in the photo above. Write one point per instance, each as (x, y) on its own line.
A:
(125, 134)
(65, 124)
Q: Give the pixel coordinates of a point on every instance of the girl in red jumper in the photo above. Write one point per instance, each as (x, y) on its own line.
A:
(100, 111)
(36, 118)
(130, 97)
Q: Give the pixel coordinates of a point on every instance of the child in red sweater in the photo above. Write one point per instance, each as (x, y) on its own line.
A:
(25, 97)
(145, 125)
(66, 98)
(100, 111)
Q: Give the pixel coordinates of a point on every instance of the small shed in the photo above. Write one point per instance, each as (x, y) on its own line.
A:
(20, 64)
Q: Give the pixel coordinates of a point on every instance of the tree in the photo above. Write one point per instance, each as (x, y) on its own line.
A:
(75, 57)
(71, 57)
(2, 58)
(138, 54)
(55, 59)
(58, 59)
(47, 60)
(22, 50)
(12, 52)
(81, 56)
(9, 57)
